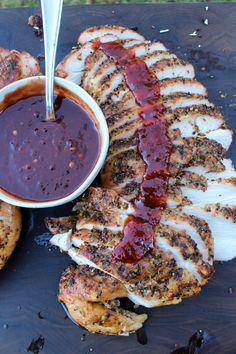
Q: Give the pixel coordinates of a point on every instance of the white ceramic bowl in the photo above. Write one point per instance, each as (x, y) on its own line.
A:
(75, 92)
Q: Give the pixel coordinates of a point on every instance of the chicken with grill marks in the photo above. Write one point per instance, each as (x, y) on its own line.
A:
(199, 225)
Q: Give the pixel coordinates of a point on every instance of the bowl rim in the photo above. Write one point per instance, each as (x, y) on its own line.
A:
(103, 130)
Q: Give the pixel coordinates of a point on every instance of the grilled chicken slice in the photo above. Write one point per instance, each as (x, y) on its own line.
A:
(99, 31)
(171, 68)
(15, 66)
(221, 220)
(180, 84)
(90, 284)
(60, 225)
(199, 224)
(91, 298)
(201, 186)
(10, 228)
(147, 47)
(72, 66)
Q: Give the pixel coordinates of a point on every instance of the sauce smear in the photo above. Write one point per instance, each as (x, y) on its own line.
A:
(155, 149)
(46, 160)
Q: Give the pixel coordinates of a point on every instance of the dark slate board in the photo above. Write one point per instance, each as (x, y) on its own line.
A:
(29, 282)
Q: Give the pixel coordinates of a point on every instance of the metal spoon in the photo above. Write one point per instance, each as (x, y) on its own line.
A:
(51, 14)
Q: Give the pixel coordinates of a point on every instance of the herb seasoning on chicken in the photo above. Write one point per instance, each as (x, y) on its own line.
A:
(199, 221)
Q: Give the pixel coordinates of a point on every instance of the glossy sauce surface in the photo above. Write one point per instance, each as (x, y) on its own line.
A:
(155, 149)
(46, 160)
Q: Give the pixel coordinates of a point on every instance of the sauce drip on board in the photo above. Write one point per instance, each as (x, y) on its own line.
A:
(155, 149)
(46, 160)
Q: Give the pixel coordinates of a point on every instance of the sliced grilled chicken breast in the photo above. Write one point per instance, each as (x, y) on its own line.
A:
(200, 217)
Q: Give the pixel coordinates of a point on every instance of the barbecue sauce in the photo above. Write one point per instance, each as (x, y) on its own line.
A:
(154, 147)
(46, 160)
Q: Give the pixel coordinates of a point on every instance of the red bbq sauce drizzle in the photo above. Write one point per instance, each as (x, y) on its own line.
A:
(154, 147)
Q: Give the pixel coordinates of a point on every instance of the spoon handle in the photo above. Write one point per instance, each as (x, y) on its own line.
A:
(51, 14)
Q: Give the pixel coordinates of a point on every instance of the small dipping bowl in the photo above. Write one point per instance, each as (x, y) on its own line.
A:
(35, 86)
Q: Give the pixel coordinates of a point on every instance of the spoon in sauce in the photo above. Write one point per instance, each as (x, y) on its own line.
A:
(51, 14)
(49, 158)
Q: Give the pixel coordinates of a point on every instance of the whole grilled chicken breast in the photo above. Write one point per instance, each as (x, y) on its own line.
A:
(199, 222)
(10, 227)
(15, 66)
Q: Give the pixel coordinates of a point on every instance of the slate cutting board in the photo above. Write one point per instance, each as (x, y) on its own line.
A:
(29, 282)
